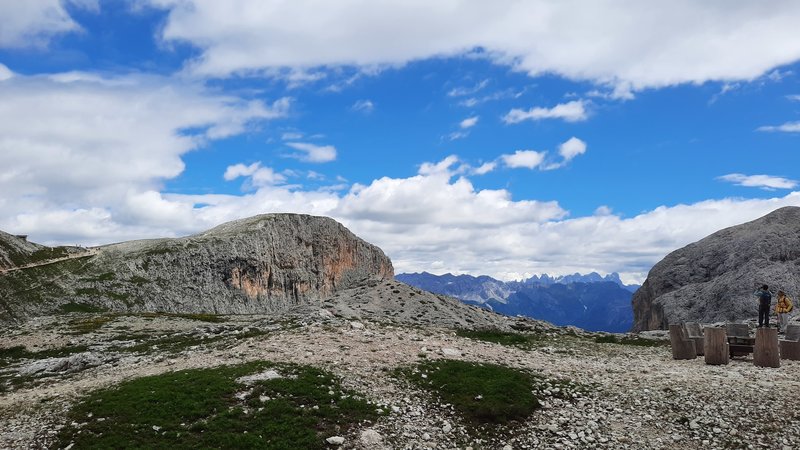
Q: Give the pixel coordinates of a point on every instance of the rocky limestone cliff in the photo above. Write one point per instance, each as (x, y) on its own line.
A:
(713, 279)
(255, 265)
(15, 251)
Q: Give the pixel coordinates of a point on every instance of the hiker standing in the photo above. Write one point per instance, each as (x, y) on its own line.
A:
(764, 301)
(782, 308)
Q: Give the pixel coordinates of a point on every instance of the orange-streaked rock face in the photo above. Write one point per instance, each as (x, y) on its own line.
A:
(256, 265)
(316, 267)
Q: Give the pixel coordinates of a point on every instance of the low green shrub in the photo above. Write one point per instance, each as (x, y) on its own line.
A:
(73, 307)
(481, 393)
(207, 408)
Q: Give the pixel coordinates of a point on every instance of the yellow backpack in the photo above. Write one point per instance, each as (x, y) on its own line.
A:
(784, 305)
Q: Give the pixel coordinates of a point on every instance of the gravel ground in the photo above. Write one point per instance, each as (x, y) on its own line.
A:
(635, 397)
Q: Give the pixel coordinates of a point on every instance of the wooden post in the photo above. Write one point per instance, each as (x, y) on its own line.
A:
(765, 353)
(716, 346)
(682, 347)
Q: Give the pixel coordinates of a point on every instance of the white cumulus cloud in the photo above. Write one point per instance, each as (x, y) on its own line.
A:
(32, 23)
(435, 220)
(528, 159)
(469, 122)
(628, 44)
(257, 175)
(788, 127)
(571, 148)
(86, 142)
(485, 168)
(314, 153)
(574, 111)
(5, 73)
(761, 181)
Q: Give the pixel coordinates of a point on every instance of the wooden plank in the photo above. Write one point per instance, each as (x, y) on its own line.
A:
(716, 346)
(766, 353)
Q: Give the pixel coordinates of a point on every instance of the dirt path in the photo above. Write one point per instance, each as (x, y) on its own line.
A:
(88, 253)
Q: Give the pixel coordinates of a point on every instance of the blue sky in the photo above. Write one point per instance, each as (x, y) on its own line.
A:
(509, 139)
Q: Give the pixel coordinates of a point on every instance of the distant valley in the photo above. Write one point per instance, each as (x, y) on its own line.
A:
(592, 302)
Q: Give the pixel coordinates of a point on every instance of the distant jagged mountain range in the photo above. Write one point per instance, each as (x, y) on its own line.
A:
(592, 302)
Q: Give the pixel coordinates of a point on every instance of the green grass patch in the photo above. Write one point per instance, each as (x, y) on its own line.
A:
(93, 292)
(635, 341)
(46, 254)
(123, 297)
(136, 279)
(481, 393)
(73, 307)
(159, 251)
(213, 318)
(107, 276)
(180, 342)
(202, 317)
(200, 408)
(83, 326)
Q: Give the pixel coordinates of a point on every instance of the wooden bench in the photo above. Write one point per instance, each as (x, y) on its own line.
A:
(716, 346)
(739, 339)
(766, 352)
(682, 346)
(695, 333)
(740, 349)
(790, 344)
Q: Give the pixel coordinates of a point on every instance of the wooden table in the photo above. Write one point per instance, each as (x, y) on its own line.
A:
(739, 345)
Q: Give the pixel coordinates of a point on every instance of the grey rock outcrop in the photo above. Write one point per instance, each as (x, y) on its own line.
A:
(713, 280)
(256, 265)
(68, 364)
(15, 250)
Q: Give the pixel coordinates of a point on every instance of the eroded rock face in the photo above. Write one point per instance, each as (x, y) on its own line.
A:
(255, 265)
(713, 279)
(15, 251)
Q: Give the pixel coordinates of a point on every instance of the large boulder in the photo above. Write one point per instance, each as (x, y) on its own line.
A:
(714, 279)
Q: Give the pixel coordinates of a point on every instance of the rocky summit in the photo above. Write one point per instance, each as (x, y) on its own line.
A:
(254, 265)
(713, 280)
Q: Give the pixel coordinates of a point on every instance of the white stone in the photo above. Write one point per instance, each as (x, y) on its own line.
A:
(371, 438)
(335, 440)
(357, 325)
(263, 376)
(450, 352)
